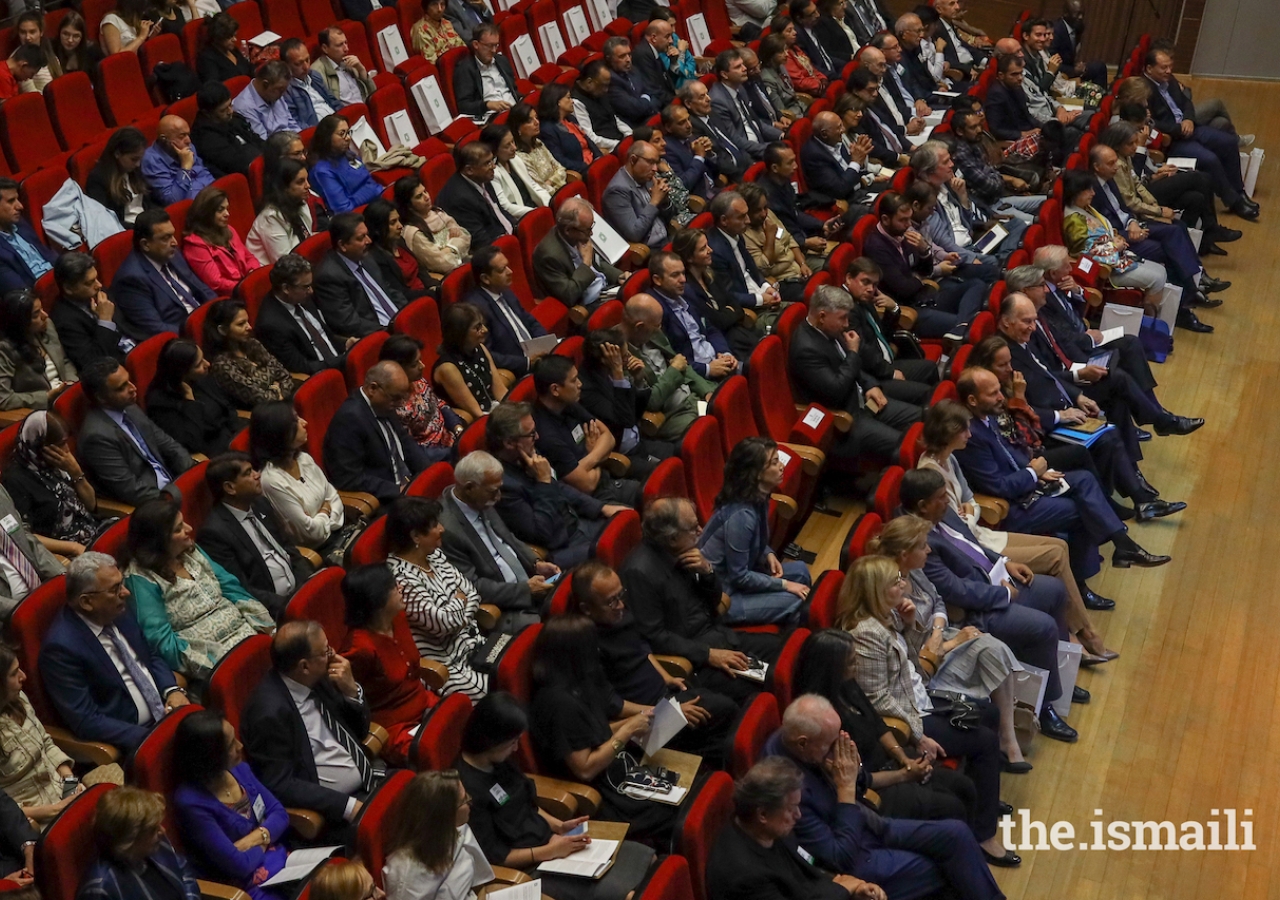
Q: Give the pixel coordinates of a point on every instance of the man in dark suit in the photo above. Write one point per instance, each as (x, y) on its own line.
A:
(627, 93)
(824, 55)
(359, 9)
(691, 157)
(503, 569)
(731, 112)
(23, 257)
(652, 63)
(731, 158)
(830, 33)
(833, 169)
(874, 318)
(468, 196)
(302, 729)
(97, 668)
(30, 566)
(911, 98)
(867, 18)
(890, 104)
(354, 298)
(684, 323)
(825, 368)
(467, 16)
(509, 323)
(593, 107)
(777, 182)
(291, 326)
(889, 144)
(243, 534)
(484, 82)
(1068, 31)
(128, 458)
(732, 262)
(366, 448)
(1008, 116)
(963, 62)
(911, 33)
(84, 315)
(567, 263)
(154, 287)
(537, 507)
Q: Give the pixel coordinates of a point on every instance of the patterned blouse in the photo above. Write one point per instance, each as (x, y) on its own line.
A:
(257, 377)
(543, 167)
(441, 604)
(679, 195)
(29, 758)
(421, 415)
(441, 246)
(432, 40)
(476, 374)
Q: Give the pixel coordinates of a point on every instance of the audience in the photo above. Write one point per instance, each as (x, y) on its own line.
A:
(956, 220)
(656, 62)
(308, 508)
(211, 247)
(291, 326)
(221, 59)
(567, 262)
(833, 168)
(389, 254)
(307, 96)
(433, 236)
(284, 219)
(684, 324)
(806, 80)
(731, 158)
(125, 28)
(561, 133)
(593, 104)
(433, 34)
(23, 257)
(627, 91)
(73, 49)
(614, 391)
(427, 419)
(543, 168)
(517, 193)
(690, 159)
(483, 81)
(674, 387)
(34, 369)
(188, 404)
(464, 369)
(28, 561)
(430, 849)
(721, 317)
(171, 166)
(48, 487)
(469, 197)
(86, 319)
(344, 75)
(117, 180)
(136, 857)
(334, 162)
(223, 135)
(355, 298)
(509, 324)
(875, 317)
(262, 102)
(347, 880)
(154, 287)
(636, 203)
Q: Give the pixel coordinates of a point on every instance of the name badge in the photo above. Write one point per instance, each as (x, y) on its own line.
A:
(805, 855)
(355, 163)
(499, 795)
(577, 438)
(9, 523)
(259, 808)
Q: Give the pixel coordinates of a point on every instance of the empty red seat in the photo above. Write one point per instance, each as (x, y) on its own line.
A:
(283, 18)
(122, 91)
(27, 134)
(316, 15)
(785, 665)
(759, 720)
(249, 15)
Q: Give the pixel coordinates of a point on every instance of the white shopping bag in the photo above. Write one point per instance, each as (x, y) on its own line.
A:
(1169, 305)
(600, 13)
(392, 46)
(430, 100)
(1196, 236)
(1069, 656)
(362, 132)
(699, 35)
(1029, 686)
(1256, 156)
(1127, 317)
(399, 129)
(552, 42)
(575, 25)
(525, 56)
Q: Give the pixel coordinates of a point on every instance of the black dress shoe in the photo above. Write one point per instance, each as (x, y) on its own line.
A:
(1123, 559)
(1245, 211)
(1005, 809)
(1123, 513)
(1080, 695)
(1143, 434)
(1158, 509)
(1209, 248)
(1180, 425)
(1211, 285)
(1052, 726)
(1021, 767)
(1010, 860)
(1204, 301)
(1187, 319)
(1224, 235)
(1096, 602)
(1146, 485)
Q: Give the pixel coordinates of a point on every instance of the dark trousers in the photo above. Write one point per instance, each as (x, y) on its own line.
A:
(645, 457)
(878, 433)
(966, 297)
(710, 740)
(1191, 192)
(583, 541)
(947, 794)
(1131, 358)
(1218, 154)
(915, 393)
(1171, 245)
(1082, 516)
(759, 646)
(920, 859)
(619, 490)
(1096, 72)
(988, 273)
(979, 747)
(1032, 626)
(1107, 460)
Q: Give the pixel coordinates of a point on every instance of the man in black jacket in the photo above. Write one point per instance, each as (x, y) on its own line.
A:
(468, 196)
(609, 394)
(874, 317)
(805, 16)
(777, 182)
(223, 137)
(302, 729)
(593, 108)
(243, 534)
(473, 97)
(355, 300)
(627, 92)
(651, 62)
(291, 326)
(84, 315)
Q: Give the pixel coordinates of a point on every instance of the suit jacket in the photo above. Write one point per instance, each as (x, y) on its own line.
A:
(1103, 203)
(675, 609)
(117, 467)
(328, 70)
(619, 408)
(466, 17)
(502, 342)
(565, 147)
(227, 147)
(149, 305)
(881, 150)
(468, 91)
(678, 335)
(1061, 312)
(785, 203)
(1160, 111)
(694, 173)
(731, 161)
(300, 104)
(356, 456)
(84, 337)
(107, 879)
(46, 564)
(874, 361)
(276, 741)
(23, 384)
(958, 578)
(467, 551)
(1007, 112)
(809, 44)
(821, 375)
(901, 279)
(727, 116)
(341, 297)
(82, 682)
(360, 9)
(653, 73)
(834, 39)
(543, 514)
(916, 75)
(726, 269)
(559, 275)
(630, 98)
(627, 206)
(1064, 43)
(823, 174)
(460, 199)
(281, 334)
(1045, 391)
(990, 469)
(14, 274)
(225, 540)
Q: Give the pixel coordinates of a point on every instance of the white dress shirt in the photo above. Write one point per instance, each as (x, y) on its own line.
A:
(477, 522)
(756, 289)
(144, 713)
(334, 765)
(275, 556)
(492, 85)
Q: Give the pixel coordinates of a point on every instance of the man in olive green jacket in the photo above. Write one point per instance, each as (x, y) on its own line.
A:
(675, 386)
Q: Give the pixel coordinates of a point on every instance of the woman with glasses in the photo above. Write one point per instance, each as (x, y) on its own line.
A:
(337, 169)
(137, 862)
(505, 817)
(876, 610)
(432, 853)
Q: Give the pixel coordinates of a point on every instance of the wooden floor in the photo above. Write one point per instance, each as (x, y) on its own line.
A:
(1184, 724)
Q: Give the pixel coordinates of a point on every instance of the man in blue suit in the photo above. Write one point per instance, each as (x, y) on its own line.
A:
(97, 668)
(692, 158)
(688, 330)
(733, 112)
(23, 258)
(509, 323)
(732, 263)
(1037, 503)
(833, 169)
(307, 96)
(628, 93)
(154, 287)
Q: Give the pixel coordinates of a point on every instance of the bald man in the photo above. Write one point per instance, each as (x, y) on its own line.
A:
(654, 64)
(922, 65)
(636, 203)
(171, 165)
(888, 104)
(675, 386)
(833, 168)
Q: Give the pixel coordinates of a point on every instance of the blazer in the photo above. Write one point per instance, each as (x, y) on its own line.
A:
(1065, 43)
(14, 274)
(561, 277)
(626, 206)
(356, 456)
(226, 147)
(84, 686)
(229, 545)
(342, 298)
(630, 98)
(882, 667)
(992, 470)
(300, 104)
(820, 375)
(834, 38)
(344, 183)
(727, 116)
(543, 514)
(1007, 112)
(116, 466)
(281, 334)
(15, 833)
(678, 335)
(731, 161)
(276, 741)
(958, 579)
(653, 74)
(502, 342)
(360, 9)
(1161, 113)
(206, 423)
(467, 551)
(468, 90)
(901, 279)
(149, 305)
(84, 336)
(210, 829)
(874, 362)
(916, 75)
(739, 867)
(786, 205)
(23, 384)
(565, 147)
(619, 408)
(465, 17)
(106, 879)
(460, 199)
(822, 173)
(328, 70)
(45, 563)
(698, 175)
(1045, 392)
(726, 269)
(809, 44)
(676, 610)
(881, 151)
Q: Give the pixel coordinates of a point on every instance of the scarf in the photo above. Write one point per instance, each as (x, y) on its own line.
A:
(75, 522)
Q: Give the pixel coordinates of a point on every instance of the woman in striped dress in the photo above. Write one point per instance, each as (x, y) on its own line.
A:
(439, 601)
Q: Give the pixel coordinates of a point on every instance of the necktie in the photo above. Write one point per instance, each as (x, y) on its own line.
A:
(522, 333)
(978, 558)
(348, 742)
(890, 138)
(1062, 357)
(497, 209)
(382, 305)
(272, 547)
(318, 340)
(995, 433)
(891, 106)
(507, 555)
(1068, 307)
(144, 447)
(826, 58)
(141, 678)
(398, 467)
(184, 296)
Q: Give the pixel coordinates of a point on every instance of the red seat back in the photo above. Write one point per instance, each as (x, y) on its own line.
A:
(704, 460)
(759, 720)
(708, 812)
(771, 397)
(515, 670)
(861, 229)
(731, 407)
(253, 289)
(825, 597)
(670, 881)
(239, 202)
(316, 400)
(362, 355)
(520, 284)
(387, 17)
(472, 437)
(193, 325)
(599, 174)
(457, 284)
(911, 447)
(789, 321)
(153, 767)
(530, 230)
(619, 538)
(73, 406)
(422, 320)
(38, 189)
(316, 15)
(440, 739)
(562, 597)
(109, 254)
(315, 247)
(249, 15)
(784, 669)
(667, 480)
(114, 540)
(886, 499)
(67, 846)
(606, 315)
(436, 173)
(237, 675)
(446, 63)
(122, 91)
(283, 17)
(27, 626)
(27, 133)
(838, 262)
(73, 111)
(320, 600)
(431, 483)
(371, 545)
(142, 359)
(371, 834)
(197, 499)
(82, 161)
(961, 359)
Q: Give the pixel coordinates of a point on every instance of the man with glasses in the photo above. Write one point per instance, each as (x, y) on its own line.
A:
(366, 447)
(567, 262)
(636, 203)
(469, 197)
(919, 57)
(98, 670)
(484, 82)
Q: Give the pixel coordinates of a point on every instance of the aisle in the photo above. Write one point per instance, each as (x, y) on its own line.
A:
(1185, 721)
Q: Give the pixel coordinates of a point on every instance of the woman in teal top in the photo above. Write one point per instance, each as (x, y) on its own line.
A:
(336, 168)
(191, 610)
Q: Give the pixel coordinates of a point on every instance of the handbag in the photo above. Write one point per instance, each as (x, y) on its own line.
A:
(335, 551)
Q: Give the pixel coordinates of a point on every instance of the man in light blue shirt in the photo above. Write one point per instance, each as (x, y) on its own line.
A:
(23, 259)
(263, 103)
(171, 165)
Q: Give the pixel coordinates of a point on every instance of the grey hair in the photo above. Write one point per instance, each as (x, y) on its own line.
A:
(925, 159)
(613, 44)
(1051, 256)
(1023, 277)
(662, 520)
(830, 298)
(803, 718)
(686, 91)
(571, 211)
(82, 572)
(723, 203)
(903, 23)
(766, 787)
(475, 467)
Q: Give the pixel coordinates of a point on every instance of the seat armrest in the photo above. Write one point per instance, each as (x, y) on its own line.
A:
(676, 666)
(901, 730)
(992, 510)
(113, 506)
(813, 458)
(306, 822)
(299, 376)
(543, 554)
(556, 802)
(1092, 298)
(220, 891)
(650, 422)
(749, 317)
(199, 457)
(487, 616)
(616, 464)
(929, 282)
(433, 674)
(723, 606)
(359, 502)
(588, 798)
(13, 416)
(311, 556)
(843, 420)
(872, 797)
(95, 752)
(375, 740)
(508, 377)
(508, 875)
(578, 314)
(244, 413)
(787, 507)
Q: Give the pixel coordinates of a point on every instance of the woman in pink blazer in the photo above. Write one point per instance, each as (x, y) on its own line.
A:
(211, 246)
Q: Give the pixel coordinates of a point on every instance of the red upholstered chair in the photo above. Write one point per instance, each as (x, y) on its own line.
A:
(437, 171)
(860, 231)
(81, 163)
(362, 355)
(8, 439)
(670, 881)
(67, 846)
(320, 600)
(141, 361)
(759, 720)
(193, 325)
(824, 598)
(784, 669)
(193, 41)
(249, 15)
(153, 770)
(122, 91)
(982, 327)
(163, 48)
(457, 284)
(704, 459)
(109, 254)
(886, 499)
(637, 283)
(197, 499)
(371, 545)
(570, 348)
(440, 739)
(316, 15)
(946, 390)
(283, 17)
(1050, 216)
(112, 541)
(253, 289)
(236, 676)
(446, 63)
(619, 538)
(550, 312)
(515, 675)
(838, 262)
(902, 179)
(1032, 239)
(541, 13)
(599, 174)
(372, 831)
(1017, 258)
(472, 437)
(522, 391)
(316, 400)
(606, 315)
(27, 134)
(789, 321)
(530, 230)
(421, 319)
(569, 191)
(315, 247)
(705, 814)
(410, 12)
(667, 480)
(239, 202)
(36, 190)
(562, 596)
(73, 110)
(911, 447)
(774, 404)
(816, 281)
(73, 407)
(431, 482)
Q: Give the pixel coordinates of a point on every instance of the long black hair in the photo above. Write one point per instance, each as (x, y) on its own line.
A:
(221, 314)
(16, 309)
(199, 748)
(496, 719)
(272, 428)
(742, 471)
(150, 528)
(823, 662)
(567, 654)
(175, 361)
(275, 193)
(366, 590)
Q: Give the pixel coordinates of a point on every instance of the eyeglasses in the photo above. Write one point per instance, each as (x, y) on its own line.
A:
(531, 434)
(902, 579)
(465, 801)
(115, 590)
(618, 600)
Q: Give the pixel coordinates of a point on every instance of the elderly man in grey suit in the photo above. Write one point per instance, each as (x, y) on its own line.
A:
(636, 203)
(568, 264)
(501, 566)
(127, 456)
(24, 562)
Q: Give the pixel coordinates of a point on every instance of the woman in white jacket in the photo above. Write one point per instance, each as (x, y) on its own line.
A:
(517, 192)
(431, 852)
